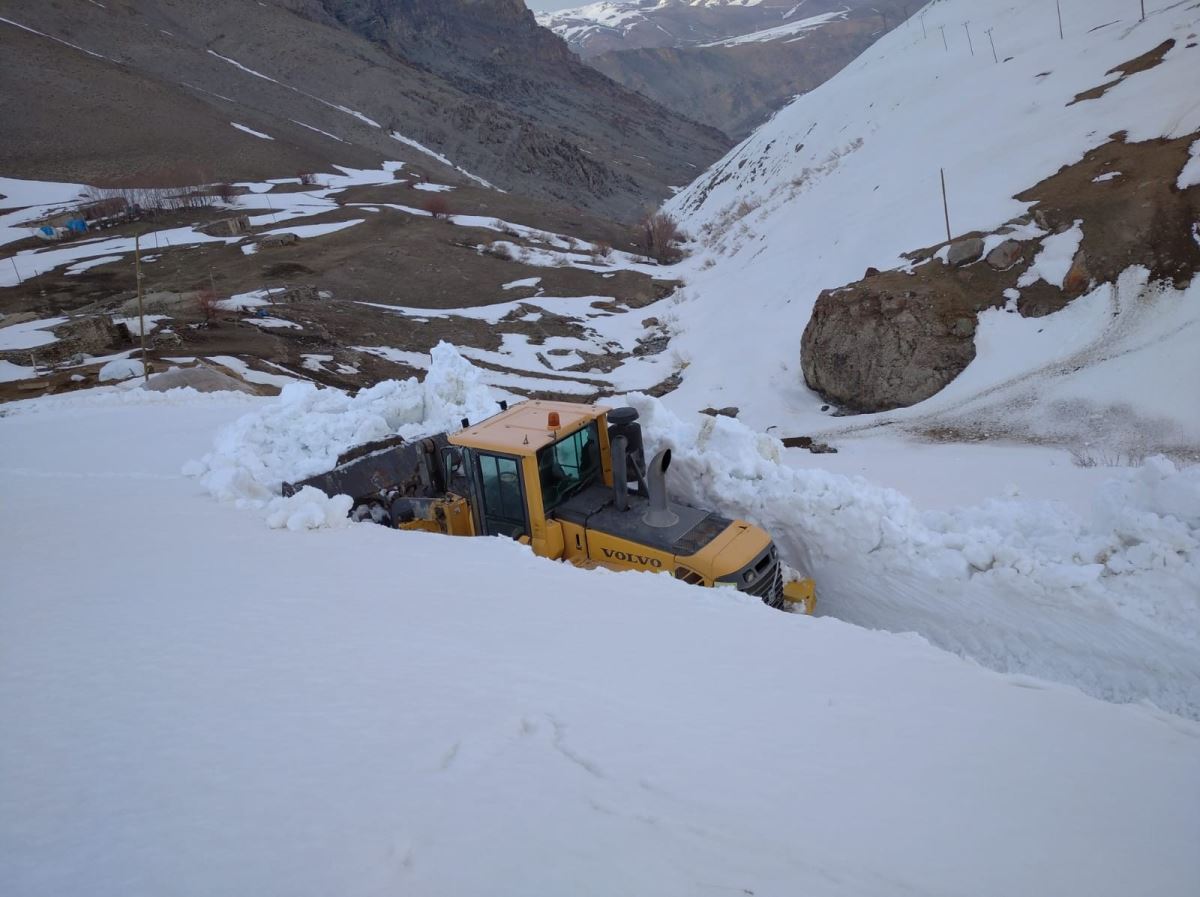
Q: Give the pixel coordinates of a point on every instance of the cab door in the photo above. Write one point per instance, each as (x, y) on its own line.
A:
(500, 495)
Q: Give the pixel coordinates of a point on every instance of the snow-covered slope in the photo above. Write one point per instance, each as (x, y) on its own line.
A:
(195, 704)
(630, 24)
(847, 177)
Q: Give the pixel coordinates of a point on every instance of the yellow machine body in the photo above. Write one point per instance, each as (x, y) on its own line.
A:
(556, 476)
(521, 434)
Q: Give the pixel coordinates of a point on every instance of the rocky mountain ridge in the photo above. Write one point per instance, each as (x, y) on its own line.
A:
(470, 83)
(728, 64)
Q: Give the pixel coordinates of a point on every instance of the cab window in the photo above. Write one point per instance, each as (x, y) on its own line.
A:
(571, 464)
(503, 499)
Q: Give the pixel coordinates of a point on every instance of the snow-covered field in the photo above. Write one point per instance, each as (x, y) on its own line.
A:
(195, 703)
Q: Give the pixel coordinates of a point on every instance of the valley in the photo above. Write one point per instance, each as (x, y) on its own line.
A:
(909, 291)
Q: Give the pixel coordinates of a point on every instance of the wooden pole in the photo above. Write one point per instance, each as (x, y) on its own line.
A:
(970, 43)
(945, 205)
(1058, 5)
(993, 43)
(944, 43)
(18, 273)
(924, 33)
(137, 268)
(1143, 10)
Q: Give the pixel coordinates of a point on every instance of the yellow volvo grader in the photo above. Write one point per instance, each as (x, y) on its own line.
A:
(570, 481)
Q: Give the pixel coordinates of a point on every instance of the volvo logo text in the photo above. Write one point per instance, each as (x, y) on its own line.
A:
(632, 558)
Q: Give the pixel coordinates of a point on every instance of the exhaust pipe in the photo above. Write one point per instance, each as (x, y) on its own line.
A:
(659, 514)
(620, 471)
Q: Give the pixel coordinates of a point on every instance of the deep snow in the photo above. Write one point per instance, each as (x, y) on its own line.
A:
(196, 704)
(1107, 599)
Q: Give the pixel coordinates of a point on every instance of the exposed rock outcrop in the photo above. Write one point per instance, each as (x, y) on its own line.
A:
(897, 338)
(893, 340)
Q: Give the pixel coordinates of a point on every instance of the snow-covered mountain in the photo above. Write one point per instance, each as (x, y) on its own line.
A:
(725, 63)
(632, 24)
(847, 178)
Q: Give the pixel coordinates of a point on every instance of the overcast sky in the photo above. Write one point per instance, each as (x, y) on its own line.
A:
(543, 5)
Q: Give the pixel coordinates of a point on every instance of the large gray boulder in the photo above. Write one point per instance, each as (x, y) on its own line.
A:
(892, 340)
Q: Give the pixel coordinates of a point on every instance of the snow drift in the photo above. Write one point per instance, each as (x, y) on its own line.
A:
(1110, 603)
(305, 431)
(194, 705)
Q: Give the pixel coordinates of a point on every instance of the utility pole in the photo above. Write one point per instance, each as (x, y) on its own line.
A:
(1058, 5)
(18, 273)
(137, 268)
(944, 43)
(993, 43)
(970, 43)
(1143, 10)
(945, 205)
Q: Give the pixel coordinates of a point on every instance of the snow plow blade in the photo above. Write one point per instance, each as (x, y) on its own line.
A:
(800, 596)
(386, 468)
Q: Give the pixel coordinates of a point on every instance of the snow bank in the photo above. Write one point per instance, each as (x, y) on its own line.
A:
(304, 431)
(1109, 602)
(1018, 585)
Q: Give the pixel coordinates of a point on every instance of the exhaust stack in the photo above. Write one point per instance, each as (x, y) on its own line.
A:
(659, 514)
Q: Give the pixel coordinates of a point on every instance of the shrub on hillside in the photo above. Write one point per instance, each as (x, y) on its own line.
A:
(437, 206)
(659, 236)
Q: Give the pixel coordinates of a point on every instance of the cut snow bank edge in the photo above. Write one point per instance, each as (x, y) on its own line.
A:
(1110, 604)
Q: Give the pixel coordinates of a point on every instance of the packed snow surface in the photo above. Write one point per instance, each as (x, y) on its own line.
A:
(196, 704)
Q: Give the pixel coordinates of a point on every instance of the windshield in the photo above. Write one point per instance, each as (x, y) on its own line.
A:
(568, 466)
